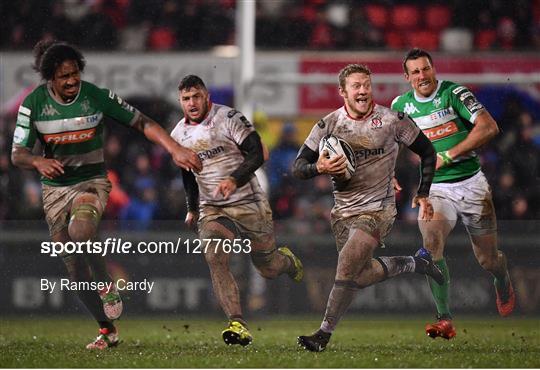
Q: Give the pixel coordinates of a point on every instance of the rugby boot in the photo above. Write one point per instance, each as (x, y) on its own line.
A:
(236, 333)
(298, 273)
(315, 342)
(106, 339)
(506, 298)
(442, 328)
(112, 303)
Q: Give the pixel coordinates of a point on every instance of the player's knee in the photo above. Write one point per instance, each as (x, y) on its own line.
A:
(488, 262)
(83, 222)
(262, 260)
(434, 241)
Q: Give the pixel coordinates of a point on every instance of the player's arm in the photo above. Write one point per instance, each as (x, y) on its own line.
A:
(485, 128)
(22, 157)
(182, 157)
(423, 147)
(253, 152)
(192, 197)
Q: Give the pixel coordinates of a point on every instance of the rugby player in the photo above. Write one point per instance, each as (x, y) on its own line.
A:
(225, 199)
(66, 115)
(457, 124)
(364, 209)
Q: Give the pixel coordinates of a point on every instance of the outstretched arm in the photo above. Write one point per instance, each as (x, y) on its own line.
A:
(182, 157)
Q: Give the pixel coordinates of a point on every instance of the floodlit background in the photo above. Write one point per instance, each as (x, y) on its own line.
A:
(141, 49)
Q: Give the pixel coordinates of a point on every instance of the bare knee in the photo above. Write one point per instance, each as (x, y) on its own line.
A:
(262, 260)
(488, 262)
(84, 217)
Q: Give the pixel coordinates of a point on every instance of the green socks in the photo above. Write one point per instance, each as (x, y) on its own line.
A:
(440, 292)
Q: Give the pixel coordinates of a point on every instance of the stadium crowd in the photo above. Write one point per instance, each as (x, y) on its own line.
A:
(148, 187)
(161, 25)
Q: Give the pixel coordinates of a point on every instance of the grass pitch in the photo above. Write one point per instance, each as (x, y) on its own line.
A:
(196, 343)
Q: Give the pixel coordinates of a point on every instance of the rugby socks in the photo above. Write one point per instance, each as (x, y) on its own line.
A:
(339, 301)
(238, 318)
(397, 265)
(440, 292)
(98, 265)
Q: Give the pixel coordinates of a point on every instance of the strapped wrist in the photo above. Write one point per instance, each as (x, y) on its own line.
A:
(445, 157)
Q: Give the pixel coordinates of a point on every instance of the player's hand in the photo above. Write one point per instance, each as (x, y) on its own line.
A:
(186, 158)
(426, 209)
(336, 166)
(191, 219)
(48, 167)
(397, 187)
(443, 159)
(226, 187)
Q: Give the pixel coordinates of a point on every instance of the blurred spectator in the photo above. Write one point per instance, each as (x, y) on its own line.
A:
(142, 207)
(282, 157)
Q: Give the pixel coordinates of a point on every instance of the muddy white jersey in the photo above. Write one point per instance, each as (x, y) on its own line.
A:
(375, 141)
(217, 141)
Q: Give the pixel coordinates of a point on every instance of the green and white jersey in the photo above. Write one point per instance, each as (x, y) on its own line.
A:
(72, 133)
(446, 118)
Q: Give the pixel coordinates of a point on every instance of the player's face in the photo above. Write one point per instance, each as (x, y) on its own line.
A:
(67, 81)
(195, 102)
(357, 95)
(421, 76)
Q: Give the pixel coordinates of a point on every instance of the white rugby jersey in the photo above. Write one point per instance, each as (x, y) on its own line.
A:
(216, 140)
(375, 141)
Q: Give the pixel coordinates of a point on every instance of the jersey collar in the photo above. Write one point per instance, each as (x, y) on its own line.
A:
(422, 99)
(361, 118)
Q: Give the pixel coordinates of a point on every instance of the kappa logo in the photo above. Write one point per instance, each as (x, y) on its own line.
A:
(49, 110)
(72, 137)
(410, 109)
(441, 131)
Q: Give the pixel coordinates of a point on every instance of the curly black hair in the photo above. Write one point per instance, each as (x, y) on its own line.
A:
(50, 54)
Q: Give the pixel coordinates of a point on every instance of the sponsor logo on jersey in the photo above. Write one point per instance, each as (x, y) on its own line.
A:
(376, 122)
(437, 102)
(72, 137)
(211, 153)
(24, 110)
(49, 110)
(410, 108)
(440, 114)
(321, 124)
(366, 153)
(442, 131)
(23, 120)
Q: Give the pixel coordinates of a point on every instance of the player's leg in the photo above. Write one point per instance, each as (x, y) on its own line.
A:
(434, 235)
(78, 271)
(223, 281)
(85, 214)
(56, 203)
(478, 215)
(256, 224)
(493, 260)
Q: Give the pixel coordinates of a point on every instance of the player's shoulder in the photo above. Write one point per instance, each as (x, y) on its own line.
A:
(388, 114)
(329, 121)
(400, 100)
(38, 94)
(454, 88)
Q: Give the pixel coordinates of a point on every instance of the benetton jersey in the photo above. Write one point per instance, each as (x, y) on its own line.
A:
(71, 133)
(216, 140)
(375, 141)
(446, 118)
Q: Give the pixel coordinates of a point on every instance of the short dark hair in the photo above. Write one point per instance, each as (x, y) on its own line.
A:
(191, 81)
(349, 70)
(49, 55)
(414, 54)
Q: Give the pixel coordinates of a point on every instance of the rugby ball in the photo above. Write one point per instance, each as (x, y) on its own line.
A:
(336, 146)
